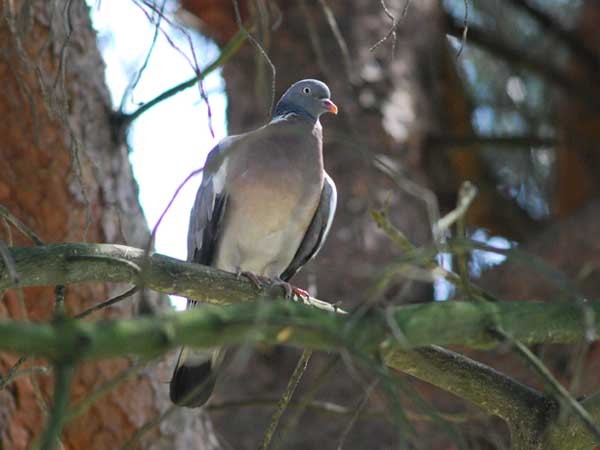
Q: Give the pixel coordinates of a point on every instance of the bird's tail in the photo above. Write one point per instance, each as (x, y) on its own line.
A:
(194, 376)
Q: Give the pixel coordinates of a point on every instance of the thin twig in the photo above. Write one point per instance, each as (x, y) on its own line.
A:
(63, 372)
(133, 84)
(150, 243)
(392, 32)
(463, 40)
(466, 195)
(84, 404)
(193, 62)
(8, 217)
(9, 262)
(173, 197)
(109, 302)
(28, 371)
(286, 397)
(6, 214)
(228, 51)
(313, 35)
(413, 189)
(307, 399)
(341, 42)
(462, 256)
(59, 300)
(261, 50)
(397, 236)
(12, 372)
(357, 412)
(335, 409)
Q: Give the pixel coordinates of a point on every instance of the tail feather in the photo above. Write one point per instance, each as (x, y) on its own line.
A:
(193, 380)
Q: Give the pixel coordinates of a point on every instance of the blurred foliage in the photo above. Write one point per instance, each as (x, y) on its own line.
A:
(509, 100)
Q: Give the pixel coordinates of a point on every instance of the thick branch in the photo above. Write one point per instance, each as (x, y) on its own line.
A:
(521, 407)
(100, 263)
(287, 322)
(448, 323)
(569, 433)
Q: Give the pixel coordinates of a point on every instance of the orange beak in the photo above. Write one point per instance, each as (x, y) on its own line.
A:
(329, 106)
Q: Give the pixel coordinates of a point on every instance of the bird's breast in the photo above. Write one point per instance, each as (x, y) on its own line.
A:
(270, 208)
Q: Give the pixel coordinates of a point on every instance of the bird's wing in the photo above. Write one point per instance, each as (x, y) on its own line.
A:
(317, 230)
(194, 375)
(206, 218)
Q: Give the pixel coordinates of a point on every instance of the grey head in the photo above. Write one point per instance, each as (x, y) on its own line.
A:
(307, 98)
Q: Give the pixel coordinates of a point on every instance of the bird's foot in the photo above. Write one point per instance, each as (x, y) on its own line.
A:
(290, 290)
(259, 281)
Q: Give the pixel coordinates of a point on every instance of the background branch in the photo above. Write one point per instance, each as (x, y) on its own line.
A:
(576, 44)
(228, 51)
(512, 55)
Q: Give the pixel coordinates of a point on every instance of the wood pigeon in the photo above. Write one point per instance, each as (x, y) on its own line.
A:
(264, 208)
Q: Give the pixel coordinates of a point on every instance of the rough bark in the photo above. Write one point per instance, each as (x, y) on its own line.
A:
(65, 176)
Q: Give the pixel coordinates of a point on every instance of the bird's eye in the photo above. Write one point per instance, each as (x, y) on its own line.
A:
(306, 90)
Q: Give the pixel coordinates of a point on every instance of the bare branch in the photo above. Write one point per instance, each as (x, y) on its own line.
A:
(335, 29)
(111, 301)
(63, 372)
(458, 142)
(392, 32)
(516, 56)
(574, 43)
(227, 52)
(260, 49)
(285, 399)
(7, 215)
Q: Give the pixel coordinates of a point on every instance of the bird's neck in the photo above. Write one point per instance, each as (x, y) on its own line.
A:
(284, 110)
(302, 120)
(312, 126)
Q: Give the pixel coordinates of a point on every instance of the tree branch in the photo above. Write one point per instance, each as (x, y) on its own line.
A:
(228, 51)
(102, 263)
(507, 142)
(570, 433)
(521, 407)
(449, 323)
(464, 323)
(511, 55)
(575, 43)
(63, 373)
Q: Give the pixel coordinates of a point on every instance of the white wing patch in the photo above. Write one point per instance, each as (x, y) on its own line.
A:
(333, 206)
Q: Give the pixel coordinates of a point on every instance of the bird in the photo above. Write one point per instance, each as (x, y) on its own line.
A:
(264, 208)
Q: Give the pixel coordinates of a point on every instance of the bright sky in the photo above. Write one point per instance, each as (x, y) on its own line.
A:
(173, 138)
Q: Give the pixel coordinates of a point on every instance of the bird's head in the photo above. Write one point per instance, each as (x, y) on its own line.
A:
(308, 98)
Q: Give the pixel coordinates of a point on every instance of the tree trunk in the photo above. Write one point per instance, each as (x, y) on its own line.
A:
(65, 174)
